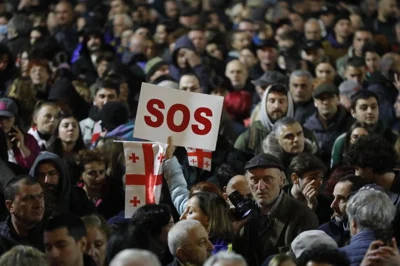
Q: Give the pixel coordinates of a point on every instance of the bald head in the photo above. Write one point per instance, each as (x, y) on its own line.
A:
(312, 30)
(237, 73)
(64, 13)
(238, 183)
(137, 43)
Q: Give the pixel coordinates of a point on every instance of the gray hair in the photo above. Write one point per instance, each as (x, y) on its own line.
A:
(127, 20)
(231, 257)
(371, 209)
(287, 120)
(301, 73)
(179, 234)
(21, 24)
(135, 257)
(24, 256)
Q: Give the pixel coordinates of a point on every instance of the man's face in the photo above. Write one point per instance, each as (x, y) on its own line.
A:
(118, 26)
(291, 138)
(247, 58)
(161, 71)
(267, 55)
(312, 31)
(93, 175)
(301, 89)
(366, 111)
(237, 74)
(297, 21)
(171, 9)
(355, 73)
(240, 41)
(117, 7)
(340, 193)
(189, 83)
(182, 59)
(277, 105)
(103, 96)
(198, 39)
(360, 38)
(247, 27)
(327, 105)
(48, 175)
(28, 205)
(198, 247)
(343, 28)
(388, 8)
(312, 176)
(64, 14)
(94, 43)
(372, 60)
(160, 36)
(62, 249)
(188, 21)
(265, 184)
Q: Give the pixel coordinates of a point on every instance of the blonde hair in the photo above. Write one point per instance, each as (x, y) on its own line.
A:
(279, 259)
(22, 90)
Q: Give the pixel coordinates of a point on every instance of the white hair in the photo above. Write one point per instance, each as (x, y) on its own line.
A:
(135, 257)
(179, 234)
(127, 20)
(224, 256)
(371, 209)
(303, 74)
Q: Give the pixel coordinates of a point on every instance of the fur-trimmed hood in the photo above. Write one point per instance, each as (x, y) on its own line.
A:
(271, 145)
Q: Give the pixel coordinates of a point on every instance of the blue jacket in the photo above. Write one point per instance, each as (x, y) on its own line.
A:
(358, 246)
(337, 231)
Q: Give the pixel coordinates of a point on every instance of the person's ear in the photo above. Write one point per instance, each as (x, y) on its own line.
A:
(315, 103)
(180, 254)
(9, 205)
(353, 113)
(225, 196)
(295, 178)
(82, 244)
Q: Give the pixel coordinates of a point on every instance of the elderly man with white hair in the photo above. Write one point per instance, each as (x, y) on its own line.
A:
(370, 213)
(135, 257)
(188, 242)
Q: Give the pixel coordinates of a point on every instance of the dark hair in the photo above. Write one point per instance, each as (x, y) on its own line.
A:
(323, 254)
(371, 47)
(279, 88)
(13, 186)
(107, 83)
(347, 137)
(226, 171)
(152, 217)
(75, 226)
(216, 208)
(336, 173)
(128, 236)
(356, 181)
(87, 156)
(374, 152)
(306, 162)
(362, 94)
(57, 147)
(355, 62)
(106, 56)
(97, 221)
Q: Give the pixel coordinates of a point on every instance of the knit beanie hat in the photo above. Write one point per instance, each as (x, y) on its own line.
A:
(153, 65)
(113, 114)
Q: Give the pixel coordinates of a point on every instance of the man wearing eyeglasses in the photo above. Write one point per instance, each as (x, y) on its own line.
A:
(59, 195)
(307, 172)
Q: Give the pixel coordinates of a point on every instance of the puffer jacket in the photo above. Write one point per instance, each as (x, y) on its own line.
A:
(358, 246)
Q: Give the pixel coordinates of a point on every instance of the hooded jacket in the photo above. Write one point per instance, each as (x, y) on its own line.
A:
(71, 198)
(199, 70)
(251, 140)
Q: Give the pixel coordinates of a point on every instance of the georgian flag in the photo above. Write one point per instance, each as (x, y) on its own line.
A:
(143, 178)
(199, 158)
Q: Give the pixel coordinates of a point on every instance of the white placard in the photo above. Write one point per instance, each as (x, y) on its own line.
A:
(192, 119)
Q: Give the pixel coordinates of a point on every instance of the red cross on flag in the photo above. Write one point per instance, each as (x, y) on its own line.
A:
(199, 158)
(143, 178)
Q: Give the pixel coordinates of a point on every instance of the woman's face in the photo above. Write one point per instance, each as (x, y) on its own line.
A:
(68, 130)
(6, 123)
(46, 119)
(39, 75)
(193, 212)
(24, 61)
(357, 133)
(96, 245)
(325, 72)
(164, 232)
(94, 175)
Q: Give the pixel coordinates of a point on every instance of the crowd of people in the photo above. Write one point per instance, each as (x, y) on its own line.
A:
(305, 170)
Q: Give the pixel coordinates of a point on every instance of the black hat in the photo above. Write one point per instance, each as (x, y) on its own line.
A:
(189, 11)
(266, 43)
(264, 160)
(270, 77)
(325, 88)
(312, 45)
(113, 114)
(342, 15)
(328, 9)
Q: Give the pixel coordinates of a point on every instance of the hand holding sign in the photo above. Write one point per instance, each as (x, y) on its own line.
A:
(192, 119)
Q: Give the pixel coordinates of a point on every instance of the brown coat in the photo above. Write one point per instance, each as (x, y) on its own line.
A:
(287, 220)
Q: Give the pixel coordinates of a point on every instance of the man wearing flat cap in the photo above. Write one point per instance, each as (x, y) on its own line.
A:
(277, 220)
(330, 121)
